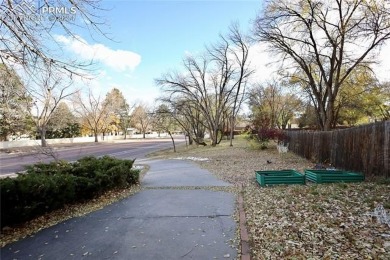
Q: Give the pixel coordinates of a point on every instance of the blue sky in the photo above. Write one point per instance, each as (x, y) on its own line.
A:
(151, 37)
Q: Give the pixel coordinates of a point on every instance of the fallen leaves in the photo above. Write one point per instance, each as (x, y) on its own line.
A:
(314, 226)
(326, 221)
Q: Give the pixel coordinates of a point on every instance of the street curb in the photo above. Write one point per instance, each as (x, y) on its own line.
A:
(245, 249)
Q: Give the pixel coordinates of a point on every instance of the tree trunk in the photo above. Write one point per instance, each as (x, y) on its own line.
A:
(144, 135)
(327, 125)
(96, 136)
(231, 131)
(321, 117)
(4, 137)
(214, 136)
(190, 139)
(173, 141)
(213, 140)
(329, 115)
(43, 136)
(220, 138)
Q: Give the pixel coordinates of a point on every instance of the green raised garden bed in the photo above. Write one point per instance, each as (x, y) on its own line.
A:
(265, 178)
(329, 176)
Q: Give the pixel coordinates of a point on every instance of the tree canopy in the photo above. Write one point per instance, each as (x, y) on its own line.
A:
(324, 41)
(15, 103)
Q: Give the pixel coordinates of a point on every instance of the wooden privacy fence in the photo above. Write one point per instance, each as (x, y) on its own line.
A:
(364, 148)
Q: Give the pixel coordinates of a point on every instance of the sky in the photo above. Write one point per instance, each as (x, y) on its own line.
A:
(149, 38)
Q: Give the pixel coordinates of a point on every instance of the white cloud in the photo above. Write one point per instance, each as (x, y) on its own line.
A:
(119, 60)
(264, 65)
(134, 94)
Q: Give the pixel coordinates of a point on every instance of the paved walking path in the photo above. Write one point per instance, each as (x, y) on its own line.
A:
(166, 220)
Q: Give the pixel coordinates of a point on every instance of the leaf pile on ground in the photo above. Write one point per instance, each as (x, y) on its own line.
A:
(315, 221)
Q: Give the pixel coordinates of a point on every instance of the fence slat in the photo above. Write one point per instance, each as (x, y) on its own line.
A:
(386, 149)
(363, 148)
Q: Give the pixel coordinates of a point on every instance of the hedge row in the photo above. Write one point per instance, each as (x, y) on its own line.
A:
(46, 187)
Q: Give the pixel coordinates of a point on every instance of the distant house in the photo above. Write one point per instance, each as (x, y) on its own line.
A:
(242, 125)
(131, 131)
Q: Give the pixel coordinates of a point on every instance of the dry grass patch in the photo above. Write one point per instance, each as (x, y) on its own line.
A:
(325, 221)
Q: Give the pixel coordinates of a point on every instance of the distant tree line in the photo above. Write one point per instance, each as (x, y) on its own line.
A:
(325, 51)
(77, 114)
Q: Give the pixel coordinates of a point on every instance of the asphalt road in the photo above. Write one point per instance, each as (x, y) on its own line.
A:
(157, 223)
(131, 149)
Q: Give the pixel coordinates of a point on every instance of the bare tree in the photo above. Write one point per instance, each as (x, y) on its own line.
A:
(46, 97)
(240, 54)
(198, 89)
(325, 40)
(42, 152)
(28, 45)
(189, 118)
(266, 100)
(211, 83)
(164, 120)
(27, 37)
(142, 118)
(270, 102)
(92, 110)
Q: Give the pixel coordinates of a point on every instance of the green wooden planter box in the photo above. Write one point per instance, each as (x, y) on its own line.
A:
(265, 178)
(329, 176)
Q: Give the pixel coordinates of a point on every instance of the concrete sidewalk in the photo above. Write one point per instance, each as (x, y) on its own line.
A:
(166, 220)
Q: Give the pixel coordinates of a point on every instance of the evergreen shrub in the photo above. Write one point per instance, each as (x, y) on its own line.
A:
(46, 187)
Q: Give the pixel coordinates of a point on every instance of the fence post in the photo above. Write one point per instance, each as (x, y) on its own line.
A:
(386, 150)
